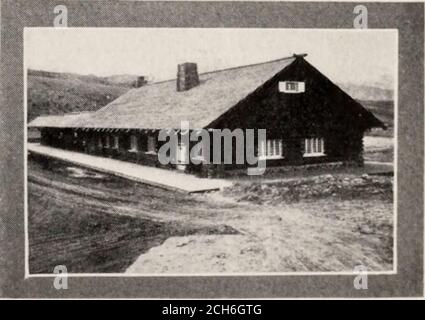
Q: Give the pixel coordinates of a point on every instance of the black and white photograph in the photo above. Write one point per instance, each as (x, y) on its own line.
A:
(204, 151)
(219, 151)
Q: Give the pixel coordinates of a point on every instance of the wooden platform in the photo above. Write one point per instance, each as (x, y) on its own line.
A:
(167, 179)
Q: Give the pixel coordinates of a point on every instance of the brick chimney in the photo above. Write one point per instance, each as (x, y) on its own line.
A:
(140, 82)
(187, 76)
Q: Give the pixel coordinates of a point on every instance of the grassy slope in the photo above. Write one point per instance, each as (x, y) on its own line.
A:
(69, 93)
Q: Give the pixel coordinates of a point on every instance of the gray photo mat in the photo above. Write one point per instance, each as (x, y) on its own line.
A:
(407, 18)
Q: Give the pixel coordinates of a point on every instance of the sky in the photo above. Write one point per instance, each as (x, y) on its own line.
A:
(346, 56)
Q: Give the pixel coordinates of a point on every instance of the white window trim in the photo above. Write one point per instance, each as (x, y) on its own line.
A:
(270, 157)
(264, 148)
(321, 142)
(300, 87)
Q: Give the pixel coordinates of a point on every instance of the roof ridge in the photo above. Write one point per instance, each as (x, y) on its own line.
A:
(224, 69)
(249, 65)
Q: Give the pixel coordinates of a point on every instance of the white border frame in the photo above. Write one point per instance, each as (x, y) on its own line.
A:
(314, 273)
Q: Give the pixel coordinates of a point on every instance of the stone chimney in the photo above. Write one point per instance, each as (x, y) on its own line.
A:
(140, 82)
(187, 76)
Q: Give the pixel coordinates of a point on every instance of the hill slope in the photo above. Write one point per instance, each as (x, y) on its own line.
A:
(57, 93)
(366, 92)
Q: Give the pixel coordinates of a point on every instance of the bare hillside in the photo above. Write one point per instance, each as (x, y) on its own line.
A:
(56, 93)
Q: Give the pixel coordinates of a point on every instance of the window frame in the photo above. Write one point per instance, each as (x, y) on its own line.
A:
(315, 146)
(299, 86)
(291, 86)
(267, 149)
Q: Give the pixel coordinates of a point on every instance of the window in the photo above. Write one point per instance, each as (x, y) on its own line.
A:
(151, 144)
(133, 144)
(270, 149)
(291, 86)
(314, 147)
(99, 142)
(116, 142)
(107, 142)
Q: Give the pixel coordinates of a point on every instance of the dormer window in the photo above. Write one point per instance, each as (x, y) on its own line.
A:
(291, 86)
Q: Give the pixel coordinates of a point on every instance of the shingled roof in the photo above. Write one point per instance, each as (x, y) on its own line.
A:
(159, 105)
(67, 120)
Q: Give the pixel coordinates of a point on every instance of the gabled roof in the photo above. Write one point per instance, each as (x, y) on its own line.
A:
(159, 105)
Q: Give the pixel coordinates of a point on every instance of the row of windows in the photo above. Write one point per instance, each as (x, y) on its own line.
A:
(269, 149)
(134, 147)
(272, 148)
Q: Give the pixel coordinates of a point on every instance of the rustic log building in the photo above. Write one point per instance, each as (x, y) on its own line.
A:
(308, 118)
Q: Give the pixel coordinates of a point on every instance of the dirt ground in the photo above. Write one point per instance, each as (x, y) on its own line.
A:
(334, 233)
(96, 223)
(76, 220)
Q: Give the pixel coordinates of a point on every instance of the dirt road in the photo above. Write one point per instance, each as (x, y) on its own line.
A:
(322, 235)
(97, 223)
